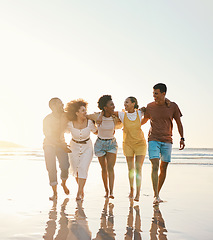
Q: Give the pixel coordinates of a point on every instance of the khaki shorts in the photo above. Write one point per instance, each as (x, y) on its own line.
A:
(137, 149)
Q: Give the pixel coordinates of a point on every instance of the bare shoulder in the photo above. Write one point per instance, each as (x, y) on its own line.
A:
(93, 116)
(48, 117)
(64, 117)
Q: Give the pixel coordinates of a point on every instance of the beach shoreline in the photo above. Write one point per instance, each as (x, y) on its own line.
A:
(26, 212)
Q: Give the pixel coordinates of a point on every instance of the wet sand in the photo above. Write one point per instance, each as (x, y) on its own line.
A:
(27, 213)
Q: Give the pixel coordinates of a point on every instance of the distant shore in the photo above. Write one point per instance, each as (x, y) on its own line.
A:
(5, 144)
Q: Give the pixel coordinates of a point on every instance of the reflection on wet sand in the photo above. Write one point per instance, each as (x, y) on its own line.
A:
(69, 228)
(158, 229)
(51, 223)
(133, 230)
(106, 231)
(78, 227)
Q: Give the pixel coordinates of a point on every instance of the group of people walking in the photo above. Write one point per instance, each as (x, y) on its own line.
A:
(78, 155)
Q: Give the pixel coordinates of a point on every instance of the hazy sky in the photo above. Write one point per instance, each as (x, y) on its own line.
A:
(84, 49)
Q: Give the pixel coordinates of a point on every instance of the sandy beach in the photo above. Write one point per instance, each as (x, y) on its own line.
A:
(27, 213)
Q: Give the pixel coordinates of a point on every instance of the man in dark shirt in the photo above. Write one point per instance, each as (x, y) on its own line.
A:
(161, 117)
(55, 146)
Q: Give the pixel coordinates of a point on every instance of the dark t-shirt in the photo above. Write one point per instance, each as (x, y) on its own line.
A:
(161, 117)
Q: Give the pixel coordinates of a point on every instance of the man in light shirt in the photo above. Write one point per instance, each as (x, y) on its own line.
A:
(55, 147)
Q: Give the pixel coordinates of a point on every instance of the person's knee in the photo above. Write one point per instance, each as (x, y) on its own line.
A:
(131, 173)
(163, 168)
(64, 174)
(138, 175)
(138, 167)
(131, 165)
(64, 165)
(155, 166)
(104, 170)
(110, 168)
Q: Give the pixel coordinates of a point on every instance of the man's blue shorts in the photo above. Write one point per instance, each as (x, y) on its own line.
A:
(160, 150)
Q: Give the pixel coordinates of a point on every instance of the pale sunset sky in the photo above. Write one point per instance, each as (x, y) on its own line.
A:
(84, 49)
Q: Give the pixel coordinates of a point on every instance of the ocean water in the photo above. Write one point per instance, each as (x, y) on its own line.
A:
(194, 156)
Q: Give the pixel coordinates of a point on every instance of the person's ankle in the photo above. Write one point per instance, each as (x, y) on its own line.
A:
(63, 184)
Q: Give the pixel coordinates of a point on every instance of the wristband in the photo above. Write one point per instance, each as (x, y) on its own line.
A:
(182, 139)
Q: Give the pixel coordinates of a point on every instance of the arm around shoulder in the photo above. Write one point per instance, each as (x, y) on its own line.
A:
(115, 113)
(144, 120)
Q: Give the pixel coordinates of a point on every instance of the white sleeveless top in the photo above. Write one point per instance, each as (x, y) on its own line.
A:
(131, 116)
(81, 134)
(107, 128)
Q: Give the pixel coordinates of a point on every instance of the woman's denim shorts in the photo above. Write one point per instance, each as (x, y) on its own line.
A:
(102, 146)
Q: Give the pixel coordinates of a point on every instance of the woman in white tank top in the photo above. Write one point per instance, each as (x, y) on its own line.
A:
(106, 146)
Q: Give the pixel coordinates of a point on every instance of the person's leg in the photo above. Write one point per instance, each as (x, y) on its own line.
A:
(154, 175)
(162, 175)
(66, 190)
(137, 221)
(154, 148)
(50, 161)
(55, 195)
(81, 184)
(64, 166)
(129, 233)
(111, 158)
(138, 166)
(166, 151)
(130, 163)
(102, 161)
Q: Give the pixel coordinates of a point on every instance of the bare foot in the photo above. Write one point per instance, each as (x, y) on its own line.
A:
(131, 193)
(66, 200)
(107, 194)
(136, 208)
(80, 195)
(111, 206)
(157, 200)
(131, 202)
(111, 196)
(137, 198)
(78, 198)
(66, 190)
(54, 197)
